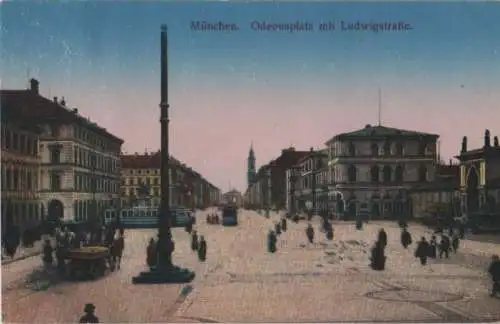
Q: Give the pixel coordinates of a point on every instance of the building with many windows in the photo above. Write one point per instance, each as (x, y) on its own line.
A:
(21, 206)
(141, 182)
(79, 161)
(371, 169)
(480, 177)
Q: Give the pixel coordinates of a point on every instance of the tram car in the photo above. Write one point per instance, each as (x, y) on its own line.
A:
(147, 216)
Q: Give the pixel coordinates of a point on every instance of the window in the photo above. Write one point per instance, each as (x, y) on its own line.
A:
(22, 143)
(15, 141)
(421, 148)
(399, 174)
(75, 155)
(352, 149)
(8, 139)
(374, 149)
(374, 172)
(422, 173)
(29, 148)
(387, 148)
(55, 181)
(55, 155)
(15, 179)
(351, 173)
(387, 174)
(399, 149)
(54, 130)
(29, 180)
(155, 181)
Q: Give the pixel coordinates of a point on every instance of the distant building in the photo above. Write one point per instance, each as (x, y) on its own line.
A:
(309, 187)
(79, 174)
(480, 177)
(141, 181)
(21, 204)
(372, 169)
(233, 197)
(251, 172)
(269, 188)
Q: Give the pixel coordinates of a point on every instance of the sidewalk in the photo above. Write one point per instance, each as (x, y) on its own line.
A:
(25, 252)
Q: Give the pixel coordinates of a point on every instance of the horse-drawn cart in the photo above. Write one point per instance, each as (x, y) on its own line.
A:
(89, 262)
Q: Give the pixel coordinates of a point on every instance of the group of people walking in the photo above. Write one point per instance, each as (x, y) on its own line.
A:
(213, 219)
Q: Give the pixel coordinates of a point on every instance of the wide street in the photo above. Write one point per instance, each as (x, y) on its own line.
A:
(241, 281)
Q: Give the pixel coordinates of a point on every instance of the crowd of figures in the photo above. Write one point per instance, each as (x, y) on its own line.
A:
(213, 218)
(12, 238)
(109, 236)
(198, 245)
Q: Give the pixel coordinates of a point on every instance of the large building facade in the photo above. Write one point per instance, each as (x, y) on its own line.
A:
(141, 181)
(372, 169)
(21, 205)
(79, 172)
(480, 177)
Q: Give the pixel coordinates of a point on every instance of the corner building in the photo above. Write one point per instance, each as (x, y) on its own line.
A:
(372, 169)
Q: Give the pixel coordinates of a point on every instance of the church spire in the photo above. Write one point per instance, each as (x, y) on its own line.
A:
(251, 172)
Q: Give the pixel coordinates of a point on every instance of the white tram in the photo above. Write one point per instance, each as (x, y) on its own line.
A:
(146, 216)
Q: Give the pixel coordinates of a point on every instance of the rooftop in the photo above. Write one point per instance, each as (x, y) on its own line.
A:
(370, 131)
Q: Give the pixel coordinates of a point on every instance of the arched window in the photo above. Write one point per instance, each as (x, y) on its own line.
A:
(421, 148)
(352, 149)
(374, 149)
(422, 173)
(387, 148)
(375, 173)
(399, 149)
(387, 174)
(399, 174)
(351, 173)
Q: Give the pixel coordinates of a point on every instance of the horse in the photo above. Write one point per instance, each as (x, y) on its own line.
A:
(117, 250)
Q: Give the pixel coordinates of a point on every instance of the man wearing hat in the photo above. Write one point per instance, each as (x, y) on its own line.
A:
(89, 316)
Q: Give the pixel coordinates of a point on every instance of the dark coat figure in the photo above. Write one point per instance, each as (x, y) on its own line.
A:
(461, 231)
(378, 257)
(405, 238)
(202, 249)
(271, 242)
(89, 316)
(217, 220)
(455, 242)
(450, 231)
(494, 272)
(208, 218)
(189, 227)
(295, 218)
(359, 224)
(328, 230)
(12, 241)
(284, 224)
(433, 247)
(422, 251)
(277, 228)
(194, 241)
(382, 237)
(117, 250)
(444, 247)
(310, 233)
(48, 258)
(152, 258)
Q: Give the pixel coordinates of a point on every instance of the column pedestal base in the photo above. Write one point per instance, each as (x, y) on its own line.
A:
(173, 274)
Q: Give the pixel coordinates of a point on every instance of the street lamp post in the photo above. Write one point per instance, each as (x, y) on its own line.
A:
(165, 271)
(268, 192)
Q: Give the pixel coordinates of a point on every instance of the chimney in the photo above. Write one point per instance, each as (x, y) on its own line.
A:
(63, 102)
(487, 142)
(74, 110)
(495, 141)
(464, 144)
(55, 99)
(35, 86)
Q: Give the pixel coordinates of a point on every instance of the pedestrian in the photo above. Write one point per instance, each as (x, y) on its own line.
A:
(422, 251)
(151, 254)
(284, 224)
(89, 316)
(382, 237)
(433, 247)
(202, 249)
(405, 238)
(194, 241)
(494, 272)
(48, 259)
(277, 228)
(455, 242)
(310, 233)
(444, 246)
(271, 242)
(378, 256)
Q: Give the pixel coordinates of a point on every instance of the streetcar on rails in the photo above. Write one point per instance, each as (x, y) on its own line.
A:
(147, 216)
(230, 215)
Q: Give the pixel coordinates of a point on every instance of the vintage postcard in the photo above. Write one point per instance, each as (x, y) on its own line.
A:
(175, 161)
